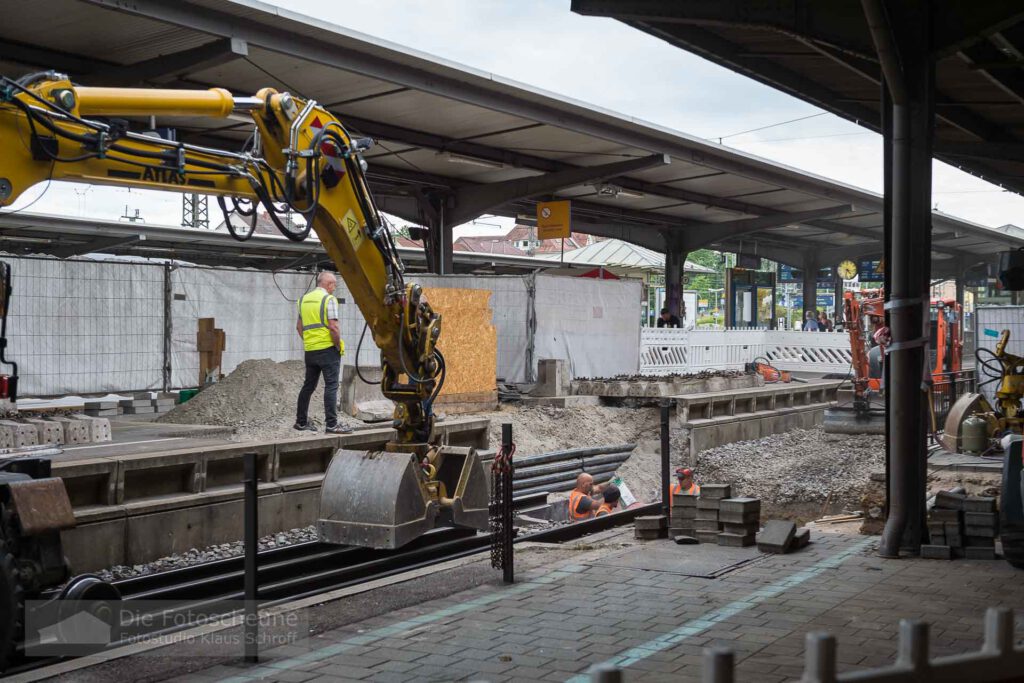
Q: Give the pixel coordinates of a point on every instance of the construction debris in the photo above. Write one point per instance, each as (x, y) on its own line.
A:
(650, 527)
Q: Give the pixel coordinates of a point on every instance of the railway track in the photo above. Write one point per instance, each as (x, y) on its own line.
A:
(307, 569)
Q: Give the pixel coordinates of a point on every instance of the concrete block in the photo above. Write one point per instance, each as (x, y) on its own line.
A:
(739, 517)
(945, 515)
(974, 553)
(684, 500)
(979, 504)
(802, 538)
(109, 412)
(735, 540)
(990, 519)
(707, 536)
(99, 427)
(741, 505)
(47, 431)
(684, 530)
(6, 437)
(937, 539)
(741, 529)
(24, 434)
(136, 402)
(139, 410)
(979, 541)
(101, 405)
(651, 522)
(954, 540)
(75, 431)
(684, 513)
(715, 491)
(375, 411)
(708, 503)
(706, 515)
(944, 500)
(707, 525)
(980, 531)
(553, 378)
(936, 552)
(649, 534)
(776, 537)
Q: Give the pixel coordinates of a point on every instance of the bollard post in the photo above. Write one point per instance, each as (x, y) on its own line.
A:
(509, 569)
(666, 476)
(718, 666)
(912, 651)
(606, 674)
(251, 541)
(500, 510)
(999, 631)
(820, 659)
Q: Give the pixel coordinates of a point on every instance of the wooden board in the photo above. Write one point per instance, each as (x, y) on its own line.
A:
(469, 340)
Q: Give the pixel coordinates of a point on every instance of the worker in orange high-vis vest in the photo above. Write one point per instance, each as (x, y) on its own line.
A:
(611, 500)
(684, 483)
(581, 504)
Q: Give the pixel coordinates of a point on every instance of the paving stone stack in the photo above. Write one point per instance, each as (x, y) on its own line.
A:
(138, 405)
(102, 408)
(163, 402)
(740, 519)
(706, 524)
(684, 515)
(962, 526)
(651, 527)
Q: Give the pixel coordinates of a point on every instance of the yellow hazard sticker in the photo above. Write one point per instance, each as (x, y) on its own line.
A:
(352, 228)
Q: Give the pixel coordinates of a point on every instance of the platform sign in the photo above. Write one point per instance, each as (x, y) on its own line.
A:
(825, 276)
(822, 301)
(554, 220)
(748, 261)
(870, 270)
(789, 274)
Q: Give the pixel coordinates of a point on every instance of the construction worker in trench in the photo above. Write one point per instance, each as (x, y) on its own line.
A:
(318, 326)
(611, 501)
(684, 483)
(582, 499)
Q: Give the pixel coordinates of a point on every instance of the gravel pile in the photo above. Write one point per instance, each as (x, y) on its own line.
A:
(257, 399)
(805, 472)
(214, 552)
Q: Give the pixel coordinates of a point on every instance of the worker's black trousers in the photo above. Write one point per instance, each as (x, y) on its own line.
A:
(328, 363)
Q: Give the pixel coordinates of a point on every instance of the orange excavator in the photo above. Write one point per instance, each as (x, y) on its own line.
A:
(864, 321)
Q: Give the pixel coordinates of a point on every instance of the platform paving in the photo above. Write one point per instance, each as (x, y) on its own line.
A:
(565, 617)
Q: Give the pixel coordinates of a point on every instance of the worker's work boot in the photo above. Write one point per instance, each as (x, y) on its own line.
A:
(339, 429)
(304, 427)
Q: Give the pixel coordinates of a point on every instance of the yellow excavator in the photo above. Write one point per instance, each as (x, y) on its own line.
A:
(300, 158)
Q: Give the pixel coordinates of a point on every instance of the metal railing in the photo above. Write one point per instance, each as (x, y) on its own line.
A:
(998, 659)
(947, 388)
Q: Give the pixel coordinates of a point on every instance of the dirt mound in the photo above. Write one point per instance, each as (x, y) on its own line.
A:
(257, 399)
(803, 473)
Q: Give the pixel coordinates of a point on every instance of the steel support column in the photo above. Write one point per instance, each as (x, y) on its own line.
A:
(903, 39)
(809, 284)
(675, 262)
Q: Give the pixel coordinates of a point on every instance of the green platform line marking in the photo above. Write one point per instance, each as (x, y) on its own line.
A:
(400, 627)
(705, 622)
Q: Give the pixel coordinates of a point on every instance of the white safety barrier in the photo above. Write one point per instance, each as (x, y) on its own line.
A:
(675, 351)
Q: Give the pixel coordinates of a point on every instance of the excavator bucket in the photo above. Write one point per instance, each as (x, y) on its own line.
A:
(844, 420)
(378, 499)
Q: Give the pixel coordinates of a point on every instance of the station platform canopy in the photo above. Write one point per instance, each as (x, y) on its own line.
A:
(455, 143)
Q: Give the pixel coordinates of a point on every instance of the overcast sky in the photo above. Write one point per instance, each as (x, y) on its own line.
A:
(603, 62)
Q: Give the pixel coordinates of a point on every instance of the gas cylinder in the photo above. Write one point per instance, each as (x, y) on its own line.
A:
(974, 435)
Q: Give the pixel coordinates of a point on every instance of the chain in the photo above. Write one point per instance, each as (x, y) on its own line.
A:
(500, 524)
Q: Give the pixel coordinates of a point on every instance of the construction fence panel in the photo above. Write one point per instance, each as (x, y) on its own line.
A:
(257, 312)
(677, 351)
(593, 324)
(85, 326)
(989, 323)
(509, 305)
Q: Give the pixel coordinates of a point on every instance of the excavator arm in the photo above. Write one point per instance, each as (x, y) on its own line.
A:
(301, 159)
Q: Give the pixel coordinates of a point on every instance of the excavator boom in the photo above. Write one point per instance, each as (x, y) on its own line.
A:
(299, 159)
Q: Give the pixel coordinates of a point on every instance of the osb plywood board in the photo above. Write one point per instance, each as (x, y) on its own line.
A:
(469, 341)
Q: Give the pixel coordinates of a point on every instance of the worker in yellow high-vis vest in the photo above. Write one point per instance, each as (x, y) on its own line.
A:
(321, 338)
